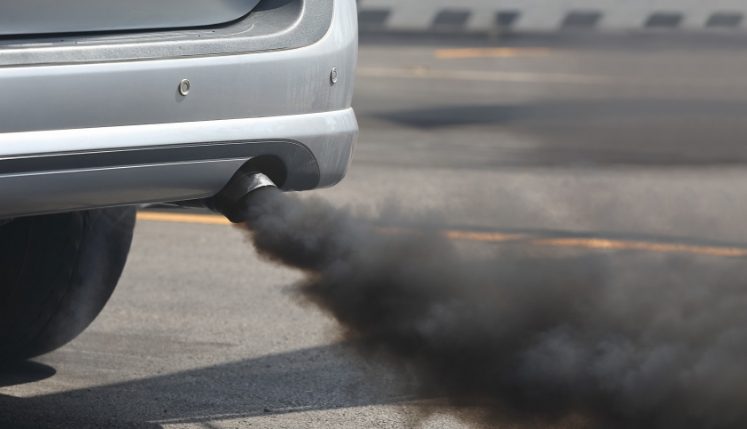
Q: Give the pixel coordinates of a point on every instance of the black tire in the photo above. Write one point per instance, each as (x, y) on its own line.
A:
(56, 274)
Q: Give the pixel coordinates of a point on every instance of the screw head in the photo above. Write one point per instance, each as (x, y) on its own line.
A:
(333, 76)
(184, 86)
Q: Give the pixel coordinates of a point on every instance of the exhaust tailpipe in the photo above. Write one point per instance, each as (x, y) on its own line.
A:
(234, 200)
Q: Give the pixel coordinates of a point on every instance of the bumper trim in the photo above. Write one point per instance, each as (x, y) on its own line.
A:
(119, 157)
(171, 162)
(329, 136)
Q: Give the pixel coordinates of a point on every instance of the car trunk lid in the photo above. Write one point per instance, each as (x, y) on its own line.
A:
(29, 17)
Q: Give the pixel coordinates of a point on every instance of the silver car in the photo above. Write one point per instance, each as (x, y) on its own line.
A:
(106, 104)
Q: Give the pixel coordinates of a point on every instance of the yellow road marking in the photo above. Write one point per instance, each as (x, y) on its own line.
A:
(500, 237)
(183, 218)
(430, 73)
(490, 237)
(465, 53)
(606, 244)
(482, 76)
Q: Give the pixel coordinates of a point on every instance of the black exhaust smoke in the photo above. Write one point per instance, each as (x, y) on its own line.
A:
(533, 342)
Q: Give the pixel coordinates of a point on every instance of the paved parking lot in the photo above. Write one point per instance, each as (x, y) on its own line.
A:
(620, 149)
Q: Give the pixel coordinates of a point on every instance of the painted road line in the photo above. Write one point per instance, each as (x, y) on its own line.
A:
(502, 237)
(466, 53)
(494, 17)
(203, 219)
(483, 76)
(451, 234)
(422, 72)
(488, 237)
(657, 247)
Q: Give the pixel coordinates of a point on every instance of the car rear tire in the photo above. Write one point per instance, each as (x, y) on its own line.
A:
(56, 274)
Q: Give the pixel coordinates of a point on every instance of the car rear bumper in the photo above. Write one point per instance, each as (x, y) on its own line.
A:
(170, 162)
(97, 134)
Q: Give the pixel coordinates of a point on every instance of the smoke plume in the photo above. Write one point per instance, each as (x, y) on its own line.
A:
(554, 341)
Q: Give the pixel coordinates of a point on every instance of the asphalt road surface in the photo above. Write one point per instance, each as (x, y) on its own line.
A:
(632, 147)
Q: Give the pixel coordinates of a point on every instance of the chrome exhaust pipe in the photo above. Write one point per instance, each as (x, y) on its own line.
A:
(233, 201)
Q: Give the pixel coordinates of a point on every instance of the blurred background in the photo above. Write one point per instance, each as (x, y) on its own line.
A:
(586, 116)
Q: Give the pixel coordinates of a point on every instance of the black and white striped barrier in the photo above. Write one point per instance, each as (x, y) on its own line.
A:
(503, 16)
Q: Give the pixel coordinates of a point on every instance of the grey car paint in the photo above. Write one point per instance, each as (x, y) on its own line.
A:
(272, 25)
(144, 92)
(284, 95)
(329, 138)
(57, 16)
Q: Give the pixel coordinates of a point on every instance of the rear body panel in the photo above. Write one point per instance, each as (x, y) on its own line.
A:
(102, 133)
(271, 25)
(27, 17)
